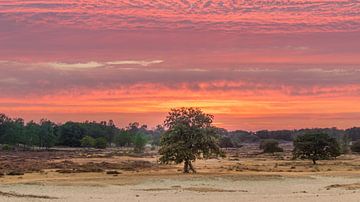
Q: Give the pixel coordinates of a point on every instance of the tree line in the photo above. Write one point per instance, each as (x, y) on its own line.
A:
(46, 134)
(187, 134)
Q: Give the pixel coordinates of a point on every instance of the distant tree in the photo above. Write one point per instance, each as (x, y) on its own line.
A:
(70, 134)
(100, 143)
(226, 142)
(31, 134)
(239, 137)
(355, 147)
(354, 133)
(122, 139)
(11, 130)
(88, 141)
(270, 146)
(190, 135)
(315, 146)
(47, 137)
(156, 135)
(139, 141)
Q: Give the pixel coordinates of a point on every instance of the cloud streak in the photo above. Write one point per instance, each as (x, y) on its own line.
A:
(93, 65)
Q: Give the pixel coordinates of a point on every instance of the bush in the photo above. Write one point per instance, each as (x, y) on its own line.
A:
(316, 146)
(139, 142)
(355, 147)
(100, 143)
(122, 139)
(88, 141)
(7, 147)
(270, 146)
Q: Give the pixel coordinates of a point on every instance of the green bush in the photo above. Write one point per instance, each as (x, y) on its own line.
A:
(7, 147)
(88, 141)
(100, 143)
(270, 146)
(139, 141)
(355, 147)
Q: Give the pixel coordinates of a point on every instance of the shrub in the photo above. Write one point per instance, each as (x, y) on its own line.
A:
(139, 142)
(88, 141)
(316, 146)
(100, 143)
(355, 147)
(7, 147)
(270, 146)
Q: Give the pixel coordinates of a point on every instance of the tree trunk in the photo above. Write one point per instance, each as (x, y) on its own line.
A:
(191, 167)
(186, 167)
(314, 161)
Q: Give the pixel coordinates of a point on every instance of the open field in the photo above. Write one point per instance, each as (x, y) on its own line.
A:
(118, 175)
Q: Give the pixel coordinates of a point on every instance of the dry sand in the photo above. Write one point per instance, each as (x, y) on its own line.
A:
(245, 175)
(188, 188)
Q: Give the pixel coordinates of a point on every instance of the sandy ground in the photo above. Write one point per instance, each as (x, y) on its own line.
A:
(245, 175)
(191, 188)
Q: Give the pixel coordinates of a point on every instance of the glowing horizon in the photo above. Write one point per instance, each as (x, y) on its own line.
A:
(253, 64)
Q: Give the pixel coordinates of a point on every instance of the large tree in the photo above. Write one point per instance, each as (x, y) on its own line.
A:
(190, 135)
(315, 146)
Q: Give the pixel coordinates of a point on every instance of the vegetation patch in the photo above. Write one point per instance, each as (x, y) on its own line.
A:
(13, 194)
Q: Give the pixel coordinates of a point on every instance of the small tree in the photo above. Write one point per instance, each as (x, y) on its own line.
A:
(190, 135)
(88, 141)
(139, 142)
(100, 143)
(315, 146)
(122, 139)
(270, 146)
(355, 147)
(226, 142)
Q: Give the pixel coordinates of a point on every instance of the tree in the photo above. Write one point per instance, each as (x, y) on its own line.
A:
(100, 143)
(355, 147)
(47, 137)
(11, 130)
(190, 135)
(225, 142)
(270, 146)
(122, 139)
(159, 130)
(32, 131)
(88, 141)
(70, 134)
(139, 142)
(315, 146)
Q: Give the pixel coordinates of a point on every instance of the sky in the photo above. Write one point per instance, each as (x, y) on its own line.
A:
(254, 64)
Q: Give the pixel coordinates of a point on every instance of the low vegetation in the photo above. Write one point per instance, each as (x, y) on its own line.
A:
(186, 135)
(270, 146)
(355, 147)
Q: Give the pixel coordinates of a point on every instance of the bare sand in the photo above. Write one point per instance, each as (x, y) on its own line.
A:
(251, 187)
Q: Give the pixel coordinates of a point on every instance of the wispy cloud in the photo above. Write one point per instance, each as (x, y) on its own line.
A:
(72, 66)
(135, 62)
(93, 65)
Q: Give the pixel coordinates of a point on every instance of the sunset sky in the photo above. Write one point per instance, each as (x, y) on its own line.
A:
(254, 64)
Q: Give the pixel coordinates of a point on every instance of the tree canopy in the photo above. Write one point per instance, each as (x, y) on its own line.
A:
(315, 146)
(190, 135)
